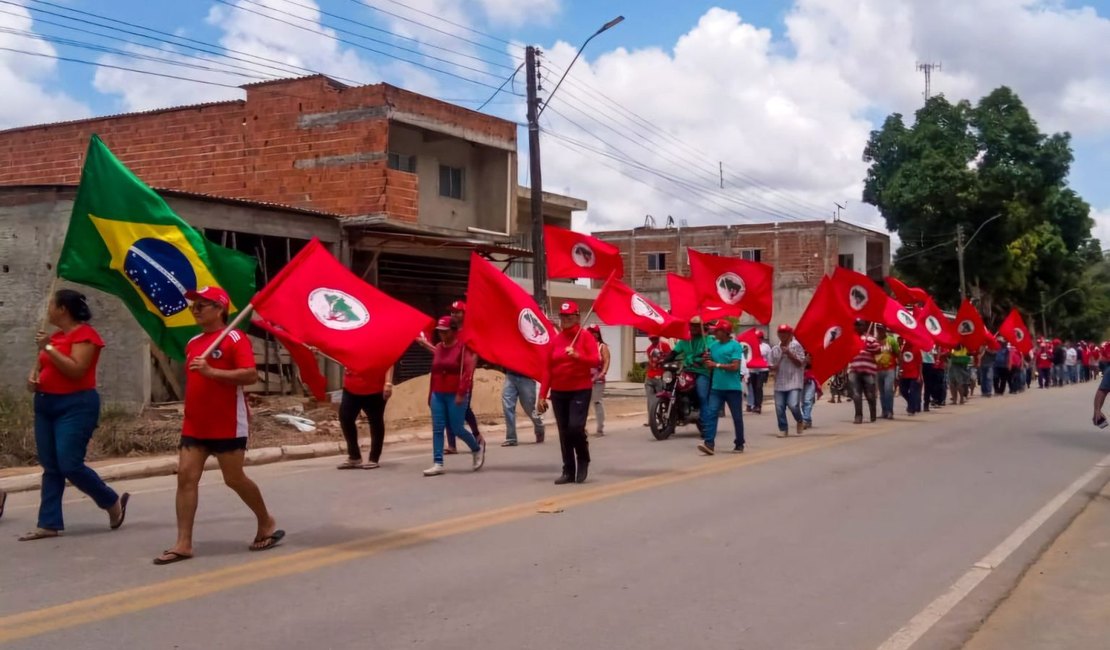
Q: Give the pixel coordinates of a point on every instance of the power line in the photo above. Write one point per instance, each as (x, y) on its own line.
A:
(116, 67)
(466, 27)
(364, 47)
(367, 5)
(507, 80)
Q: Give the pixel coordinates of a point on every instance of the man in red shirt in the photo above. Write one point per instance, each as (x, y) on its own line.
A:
(911, 378)
(216, 421)
(569, 380)
(653, 382)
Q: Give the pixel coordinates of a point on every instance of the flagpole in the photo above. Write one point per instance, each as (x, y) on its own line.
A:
(44, 323)
(581, 325)
(239, 318)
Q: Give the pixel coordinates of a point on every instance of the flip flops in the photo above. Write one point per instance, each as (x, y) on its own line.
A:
(350, 463)
(267, 543)
(173, 556)
(38, 533)
(124, 498)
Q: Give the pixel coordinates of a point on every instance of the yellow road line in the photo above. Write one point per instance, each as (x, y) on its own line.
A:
(129, 601)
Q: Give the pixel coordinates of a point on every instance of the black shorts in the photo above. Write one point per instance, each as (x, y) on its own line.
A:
(213, 445)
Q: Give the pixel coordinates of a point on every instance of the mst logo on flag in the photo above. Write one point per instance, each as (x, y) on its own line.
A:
(730, 288)
(832, 334)
(532, 328)
(337, 310)
(966, 328)
(583, 255)
(641, 307)
(858, 297)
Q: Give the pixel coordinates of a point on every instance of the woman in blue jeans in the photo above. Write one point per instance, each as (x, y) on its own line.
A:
(451, 381)
(67, 411)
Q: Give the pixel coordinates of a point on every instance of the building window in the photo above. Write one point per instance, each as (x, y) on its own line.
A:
(752, 254)
(451, 182)
(846, 261)
(402, 162)
(657, 261)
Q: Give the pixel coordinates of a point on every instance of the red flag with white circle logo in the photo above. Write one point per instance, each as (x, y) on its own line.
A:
(618, 304)
(1015, 331)
(576, 255)
(726, 282)
(826, 332)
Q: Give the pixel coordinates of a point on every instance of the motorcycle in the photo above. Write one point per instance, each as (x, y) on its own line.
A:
(678, 404)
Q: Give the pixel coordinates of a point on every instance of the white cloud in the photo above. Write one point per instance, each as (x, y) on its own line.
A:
(1101, 229)
(793, 109)
(26, 78)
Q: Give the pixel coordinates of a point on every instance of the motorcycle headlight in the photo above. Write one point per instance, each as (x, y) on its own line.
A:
(668, 376)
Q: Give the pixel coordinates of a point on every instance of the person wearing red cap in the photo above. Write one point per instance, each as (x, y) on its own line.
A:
(758, 372)
(67, 410)
(726, 361)
(458, 314)
(451, 382)
(216, 421)
(597, 396)
(788, 360)
(569, 383)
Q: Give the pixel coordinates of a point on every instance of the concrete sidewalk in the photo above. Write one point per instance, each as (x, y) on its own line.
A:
(1063, 601)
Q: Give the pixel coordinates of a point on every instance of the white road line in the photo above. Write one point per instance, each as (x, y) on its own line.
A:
(911, 632)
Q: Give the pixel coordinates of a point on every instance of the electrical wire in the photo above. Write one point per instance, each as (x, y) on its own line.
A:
(366, 4)
(507, 80)
(115, 67)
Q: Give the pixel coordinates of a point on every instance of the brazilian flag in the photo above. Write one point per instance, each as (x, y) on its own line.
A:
(124, 240)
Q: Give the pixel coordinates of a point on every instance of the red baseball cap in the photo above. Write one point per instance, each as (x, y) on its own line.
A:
(458, 305)
(722, 325)
(785, 329)
(211, 294)
(445, 323)
(759, 333)
(568, 308)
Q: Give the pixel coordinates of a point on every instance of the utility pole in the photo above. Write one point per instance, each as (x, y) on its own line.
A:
(960, 258)
(1044, 320)
(721, 166)
(539, 259)
(928, 68)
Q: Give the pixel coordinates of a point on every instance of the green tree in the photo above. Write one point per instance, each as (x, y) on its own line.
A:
(964, 165)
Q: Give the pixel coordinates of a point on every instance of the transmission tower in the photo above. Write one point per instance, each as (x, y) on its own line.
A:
(928, 68)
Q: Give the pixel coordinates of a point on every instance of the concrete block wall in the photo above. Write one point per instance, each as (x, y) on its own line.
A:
(32, 229)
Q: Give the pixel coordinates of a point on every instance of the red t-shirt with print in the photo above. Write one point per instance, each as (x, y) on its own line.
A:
(216, 409)
(911, 363)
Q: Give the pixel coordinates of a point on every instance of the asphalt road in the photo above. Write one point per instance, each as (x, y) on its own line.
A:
(832, 540)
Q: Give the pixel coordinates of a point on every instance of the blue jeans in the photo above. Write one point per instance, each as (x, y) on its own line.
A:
(809, 397)
(522, 389)
(911, 390)
(787, 399)
(1073, 374)
(886, 391)
(446, 414)
(735, 401)
(986, 379)
(701, 387)
(64, 424)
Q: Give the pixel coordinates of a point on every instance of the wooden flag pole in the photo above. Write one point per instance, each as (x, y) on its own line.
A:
(582, 324)
(239, 318)
(43, 324)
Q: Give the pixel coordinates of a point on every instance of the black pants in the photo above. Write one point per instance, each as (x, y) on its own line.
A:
(1001, 380)
(571, 409)
(374, 407)
(756, 380)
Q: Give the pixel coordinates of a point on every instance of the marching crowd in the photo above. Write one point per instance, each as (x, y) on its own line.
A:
(220, 363)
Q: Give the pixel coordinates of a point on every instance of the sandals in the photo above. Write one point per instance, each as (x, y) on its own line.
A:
(124, 498)
(267, 543)
(169, 557)
(38, 533)
(350, 463)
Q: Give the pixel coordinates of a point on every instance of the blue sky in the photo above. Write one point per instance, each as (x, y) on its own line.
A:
(782, 93)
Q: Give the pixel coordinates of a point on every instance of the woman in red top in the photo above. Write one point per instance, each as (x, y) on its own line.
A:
(452, 378)
(569, 380)
(67, 411)
(364, 393)
(911, 378)
(217, 422)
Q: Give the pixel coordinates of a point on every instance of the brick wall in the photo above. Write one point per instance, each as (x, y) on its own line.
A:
(309, 143)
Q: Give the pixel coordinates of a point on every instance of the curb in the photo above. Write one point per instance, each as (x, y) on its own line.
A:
(166, 465)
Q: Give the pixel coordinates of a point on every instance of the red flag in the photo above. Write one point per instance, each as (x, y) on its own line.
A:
(321, 303)
(684, 301)
(618, 304)
(859, 293)
(901, 291)
(303, 356)
(732, 282)
(575, 255)
(939, 326)
(504, 324)
(911, 328)
(750, 339)
(1015, 331)
(826, 331)
(972, 331)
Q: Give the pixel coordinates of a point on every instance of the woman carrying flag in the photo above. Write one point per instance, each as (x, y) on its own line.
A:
(67, 410)
(451, 381)
(569, 380)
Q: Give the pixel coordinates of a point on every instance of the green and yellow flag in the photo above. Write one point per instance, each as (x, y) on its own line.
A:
(124, 240)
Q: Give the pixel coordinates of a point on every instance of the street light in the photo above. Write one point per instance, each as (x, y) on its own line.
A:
(961, 246)
(539, 261)
(1046, 305)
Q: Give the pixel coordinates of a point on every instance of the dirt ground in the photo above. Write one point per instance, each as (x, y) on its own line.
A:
(156, 430)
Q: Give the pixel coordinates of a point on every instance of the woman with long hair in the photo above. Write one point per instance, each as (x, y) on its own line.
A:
(451, 382)
(67, 411)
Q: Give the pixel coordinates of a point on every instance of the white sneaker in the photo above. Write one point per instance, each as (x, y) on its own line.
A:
(480, 456)
(435, 470)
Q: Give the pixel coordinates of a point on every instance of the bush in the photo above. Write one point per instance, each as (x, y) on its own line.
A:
(638, 373)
